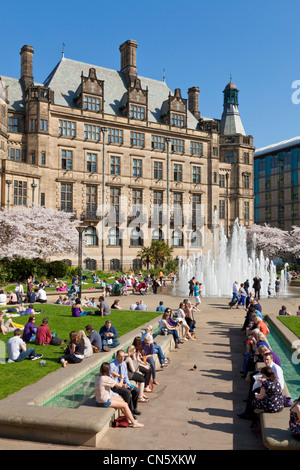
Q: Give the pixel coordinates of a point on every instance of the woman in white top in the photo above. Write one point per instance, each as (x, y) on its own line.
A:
(181, 319)
(88, 350)
(103, 385)
(3, 297)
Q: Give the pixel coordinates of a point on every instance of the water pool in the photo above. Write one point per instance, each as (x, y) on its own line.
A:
(291, 371)
(76, 394)
(81, 390)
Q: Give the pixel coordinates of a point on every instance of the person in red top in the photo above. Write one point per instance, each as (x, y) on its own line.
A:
(44, 335)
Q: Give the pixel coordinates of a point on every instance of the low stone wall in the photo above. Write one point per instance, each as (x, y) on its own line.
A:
(275, 426)
(23, 417)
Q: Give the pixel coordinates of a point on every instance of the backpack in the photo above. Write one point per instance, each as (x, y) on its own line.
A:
(121, 422)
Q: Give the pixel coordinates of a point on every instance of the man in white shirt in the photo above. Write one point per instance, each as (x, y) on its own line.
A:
(256, 384)
(41, 296)
(268, 360)
(17, 350)
(128, 392)
(19, 290)
(235, 292)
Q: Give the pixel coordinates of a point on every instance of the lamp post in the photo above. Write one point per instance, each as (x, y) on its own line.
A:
(80, 230)
(227, 204)
(103, 130)
(8, 182)
(33, 185)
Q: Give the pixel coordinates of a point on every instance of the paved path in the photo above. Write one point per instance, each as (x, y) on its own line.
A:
(192, 408)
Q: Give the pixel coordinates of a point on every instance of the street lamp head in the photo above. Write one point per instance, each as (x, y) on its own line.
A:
(8, 182)
(80, 229)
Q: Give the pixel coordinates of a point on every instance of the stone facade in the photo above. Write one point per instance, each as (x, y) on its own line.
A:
(156, 150)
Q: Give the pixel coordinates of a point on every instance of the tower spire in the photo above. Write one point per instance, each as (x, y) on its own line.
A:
(231, 122)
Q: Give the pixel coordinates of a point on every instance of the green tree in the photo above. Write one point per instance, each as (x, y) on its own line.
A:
(161, 252)
(146, 256)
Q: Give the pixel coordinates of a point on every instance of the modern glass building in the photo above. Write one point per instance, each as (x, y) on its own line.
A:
(276, 184)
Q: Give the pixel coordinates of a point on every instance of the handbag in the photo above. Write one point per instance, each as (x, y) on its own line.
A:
(121, 422)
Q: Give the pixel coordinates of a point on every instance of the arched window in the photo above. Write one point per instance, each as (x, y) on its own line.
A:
(157, 235)
(113, 237)
(115, 264)
(196, 239)
(91, 264)
(136, 264)
(91, 236)
(177, 238)
(136, 237)
(67, 261)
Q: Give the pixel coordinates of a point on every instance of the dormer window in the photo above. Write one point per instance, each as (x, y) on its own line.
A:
(177, 120)
(92, 103)
(137, 112)
(89, 95)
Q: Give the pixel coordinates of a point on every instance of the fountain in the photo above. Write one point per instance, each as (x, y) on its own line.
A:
(229, 262)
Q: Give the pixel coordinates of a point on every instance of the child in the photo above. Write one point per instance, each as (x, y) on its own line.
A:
(269, 291)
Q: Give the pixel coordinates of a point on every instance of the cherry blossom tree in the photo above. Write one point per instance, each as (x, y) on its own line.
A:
(295, 241)
(272, 241)
(37, 232)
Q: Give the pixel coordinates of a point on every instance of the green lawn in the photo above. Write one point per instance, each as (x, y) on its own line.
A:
(291, 322)
(15, 376)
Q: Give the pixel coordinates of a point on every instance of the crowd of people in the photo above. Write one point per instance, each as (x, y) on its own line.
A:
(113, 386)
(266, 384)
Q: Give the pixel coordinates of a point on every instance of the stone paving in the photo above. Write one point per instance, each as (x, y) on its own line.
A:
(195, 405)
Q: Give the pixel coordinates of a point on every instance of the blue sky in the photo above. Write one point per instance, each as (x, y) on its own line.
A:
(198, 43)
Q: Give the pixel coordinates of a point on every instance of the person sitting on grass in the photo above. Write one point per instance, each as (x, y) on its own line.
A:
(30, 330)
(284, 311)
(8, 326)
(17, 350)
(94, 338)
(74, 354)
(109, 336)
(44, 335)
(88, 350)
(105, 398)
(77, 310)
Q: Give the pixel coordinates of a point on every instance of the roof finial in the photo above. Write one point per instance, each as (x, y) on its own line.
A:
(230, 76)
(63, 51)
(164, 77)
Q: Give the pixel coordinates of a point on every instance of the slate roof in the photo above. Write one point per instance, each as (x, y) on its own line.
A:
(231, 122)
(65, 79)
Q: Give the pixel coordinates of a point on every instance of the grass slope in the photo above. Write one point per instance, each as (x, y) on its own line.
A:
(15, 376)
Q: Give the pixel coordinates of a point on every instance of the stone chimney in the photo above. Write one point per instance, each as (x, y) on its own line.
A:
(26, 65)
(128, 60)
(193, 94)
